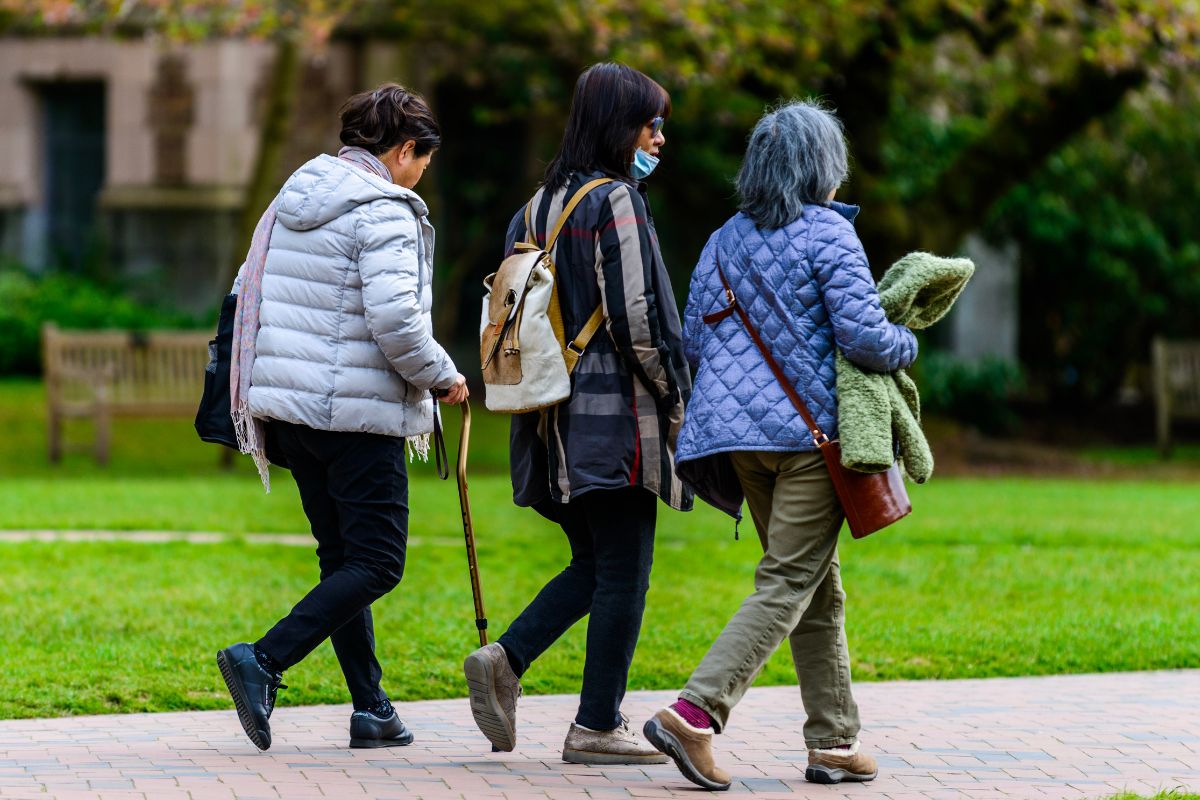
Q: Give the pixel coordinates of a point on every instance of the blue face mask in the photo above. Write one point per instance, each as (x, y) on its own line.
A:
(643, 164)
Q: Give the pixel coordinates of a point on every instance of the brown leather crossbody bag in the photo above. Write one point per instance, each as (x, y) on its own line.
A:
(871, 501)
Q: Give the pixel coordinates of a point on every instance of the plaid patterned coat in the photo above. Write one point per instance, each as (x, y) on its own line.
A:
(628, 392)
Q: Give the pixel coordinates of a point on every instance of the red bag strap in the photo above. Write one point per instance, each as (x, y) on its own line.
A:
(819, 438)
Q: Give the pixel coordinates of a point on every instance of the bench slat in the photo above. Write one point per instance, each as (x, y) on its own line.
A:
(120, 373)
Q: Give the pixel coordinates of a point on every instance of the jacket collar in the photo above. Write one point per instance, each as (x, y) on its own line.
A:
(641, 190)
(847, 210)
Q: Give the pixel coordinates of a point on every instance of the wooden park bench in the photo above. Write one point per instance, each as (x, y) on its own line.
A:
(1176, 386)
(105, 374)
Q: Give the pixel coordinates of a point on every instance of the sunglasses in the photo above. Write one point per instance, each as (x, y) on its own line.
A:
(656, 125)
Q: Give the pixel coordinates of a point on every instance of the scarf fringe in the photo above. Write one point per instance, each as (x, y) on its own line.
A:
(418, 446)
(251, 439)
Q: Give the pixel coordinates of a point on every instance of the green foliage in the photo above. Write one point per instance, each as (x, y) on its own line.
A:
(937, 96)
(1110, 251)
(181, 20)
(70, 302)
(976, 393)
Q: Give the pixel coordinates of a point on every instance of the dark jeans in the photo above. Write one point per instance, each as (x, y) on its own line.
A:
(611, 532)
(354, 488)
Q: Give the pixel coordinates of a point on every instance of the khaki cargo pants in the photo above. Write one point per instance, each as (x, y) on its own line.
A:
(797, 595)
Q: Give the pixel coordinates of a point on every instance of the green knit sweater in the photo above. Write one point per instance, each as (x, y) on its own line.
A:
(874, 407)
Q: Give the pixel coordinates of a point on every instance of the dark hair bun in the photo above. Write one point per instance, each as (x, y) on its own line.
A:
(391, 115)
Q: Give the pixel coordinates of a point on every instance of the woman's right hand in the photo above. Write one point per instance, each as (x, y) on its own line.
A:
(456, 393)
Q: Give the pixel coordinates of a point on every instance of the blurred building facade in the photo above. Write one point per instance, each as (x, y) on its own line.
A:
(135, 154)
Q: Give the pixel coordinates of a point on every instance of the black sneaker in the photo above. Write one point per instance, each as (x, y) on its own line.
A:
(252, 689)
(380, 726)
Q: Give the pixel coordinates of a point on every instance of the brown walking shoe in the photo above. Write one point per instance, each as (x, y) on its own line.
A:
(494, 689)
(835, 766)
(618, 746)
(691, 749)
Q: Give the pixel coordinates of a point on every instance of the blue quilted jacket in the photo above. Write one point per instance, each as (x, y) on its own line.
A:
(807, 288)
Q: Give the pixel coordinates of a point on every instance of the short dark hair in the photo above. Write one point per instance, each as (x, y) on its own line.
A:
(611, 104)
(379, 120)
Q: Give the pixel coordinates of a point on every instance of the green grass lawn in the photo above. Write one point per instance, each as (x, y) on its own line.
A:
(988, 577)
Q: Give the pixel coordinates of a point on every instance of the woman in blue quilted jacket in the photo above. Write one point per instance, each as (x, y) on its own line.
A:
(794, 262)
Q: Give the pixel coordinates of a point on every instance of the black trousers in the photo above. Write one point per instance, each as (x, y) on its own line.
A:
(611, 532)
(354, 488)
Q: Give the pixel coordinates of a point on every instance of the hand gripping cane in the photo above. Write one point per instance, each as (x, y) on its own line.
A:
(464, 502)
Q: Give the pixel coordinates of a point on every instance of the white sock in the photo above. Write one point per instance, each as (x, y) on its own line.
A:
(853, 751)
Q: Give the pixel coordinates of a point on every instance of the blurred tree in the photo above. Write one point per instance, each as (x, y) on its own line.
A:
(1007, 82)
(1110, 253)
(948, 105)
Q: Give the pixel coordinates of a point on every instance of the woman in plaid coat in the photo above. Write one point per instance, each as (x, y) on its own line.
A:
(596, 463)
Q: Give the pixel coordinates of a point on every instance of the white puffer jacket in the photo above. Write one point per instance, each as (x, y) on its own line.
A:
(346, 338)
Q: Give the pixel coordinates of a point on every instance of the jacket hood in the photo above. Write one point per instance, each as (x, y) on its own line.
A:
(326, 188)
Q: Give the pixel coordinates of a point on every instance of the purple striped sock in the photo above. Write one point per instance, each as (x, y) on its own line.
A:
(692, 714)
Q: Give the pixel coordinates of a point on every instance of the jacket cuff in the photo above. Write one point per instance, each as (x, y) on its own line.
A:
(447, 376)
(433, 375)
(915, 347)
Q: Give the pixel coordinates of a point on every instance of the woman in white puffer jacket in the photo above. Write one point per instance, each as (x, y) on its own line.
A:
(339, 376)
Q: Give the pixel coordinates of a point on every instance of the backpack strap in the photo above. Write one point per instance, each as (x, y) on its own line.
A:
(573, 349)
(568, 208)
(576, 199)
(576, 346)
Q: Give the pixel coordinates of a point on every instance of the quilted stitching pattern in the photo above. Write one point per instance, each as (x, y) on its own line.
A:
(808, 288)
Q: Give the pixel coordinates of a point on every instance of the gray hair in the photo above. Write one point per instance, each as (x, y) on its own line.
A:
(796, 155)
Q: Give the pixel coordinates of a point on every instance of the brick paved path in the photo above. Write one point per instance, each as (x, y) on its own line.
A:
(1073, 736)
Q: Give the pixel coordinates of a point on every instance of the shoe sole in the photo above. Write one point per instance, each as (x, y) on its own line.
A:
(485, 706)
(830, 775)
(612, 759)
(667, 742)
(374, 743)
(240, 701)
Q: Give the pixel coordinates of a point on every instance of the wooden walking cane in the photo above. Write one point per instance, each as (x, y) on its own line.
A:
(464, 501)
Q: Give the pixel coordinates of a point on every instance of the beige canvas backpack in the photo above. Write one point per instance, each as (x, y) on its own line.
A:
(526, 357)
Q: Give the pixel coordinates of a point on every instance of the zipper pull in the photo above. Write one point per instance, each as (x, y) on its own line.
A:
(736, 523)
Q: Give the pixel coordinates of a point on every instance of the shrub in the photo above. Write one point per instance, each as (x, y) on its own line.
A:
(27, 301)
(976, 393)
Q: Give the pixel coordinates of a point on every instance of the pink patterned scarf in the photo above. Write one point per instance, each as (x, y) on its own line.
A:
(251, 434)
